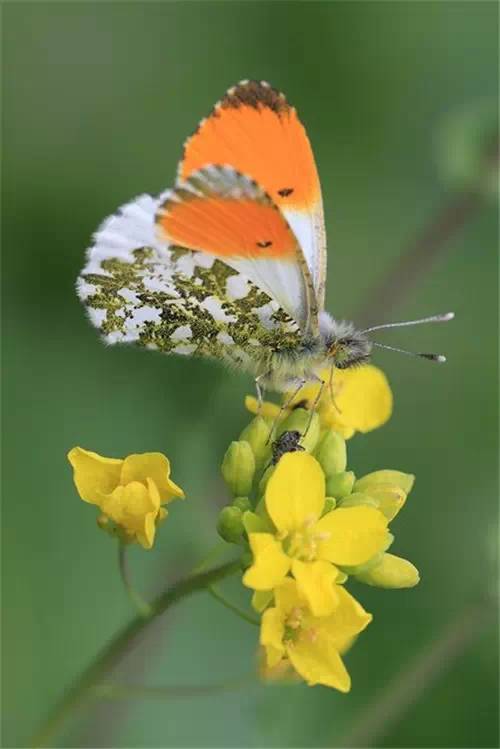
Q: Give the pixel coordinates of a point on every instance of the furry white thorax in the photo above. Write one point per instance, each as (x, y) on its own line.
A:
(339, 343)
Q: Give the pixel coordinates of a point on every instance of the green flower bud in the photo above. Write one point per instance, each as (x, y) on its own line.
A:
(390, 499)
(331, 453)
(298, 421)
(265, 478)
(238, 468)
(330, 504)
(257, 435)
(246, 559)
(357, 499)
(242, 503)
(404, 481)
(254, 523)
(340, 484)
(390, 572)
(230, 524)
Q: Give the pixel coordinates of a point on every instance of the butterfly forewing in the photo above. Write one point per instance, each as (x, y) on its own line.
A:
(136, 289)
(254, 130)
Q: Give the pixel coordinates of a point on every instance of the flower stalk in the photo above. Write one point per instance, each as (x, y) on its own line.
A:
(122, 643)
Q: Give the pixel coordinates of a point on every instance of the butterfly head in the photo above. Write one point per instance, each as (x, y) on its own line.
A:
(344, 345)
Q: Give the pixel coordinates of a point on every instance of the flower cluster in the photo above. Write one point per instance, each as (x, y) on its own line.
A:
(304, 523)
(310, 524)
(130, 493)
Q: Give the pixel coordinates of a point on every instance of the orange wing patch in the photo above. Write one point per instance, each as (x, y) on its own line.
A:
(255, 130)
(228, 227)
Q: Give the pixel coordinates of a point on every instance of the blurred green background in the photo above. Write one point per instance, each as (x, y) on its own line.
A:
(98, 98)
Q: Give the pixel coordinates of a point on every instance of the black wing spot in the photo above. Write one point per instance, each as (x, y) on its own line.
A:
(264, 244)
(285, 191)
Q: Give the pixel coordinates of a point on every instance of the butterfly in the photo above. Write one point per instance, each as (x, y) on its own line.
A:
(230, 263)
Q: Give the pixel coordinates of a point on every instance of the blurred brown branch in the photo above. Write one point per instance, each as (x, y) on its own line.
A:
(425, 669)
(418, 258)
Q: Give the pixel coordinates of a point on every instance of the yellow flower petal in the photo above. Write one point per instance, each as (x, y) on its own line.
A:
(155, 466)
(316, 582)
(146, 535)
(94, 475)
(363, 396)
(271, 635)
(318, 661)
(347, 621)
(268, 410)
(295, 493)
(352, 535)
(270, 563)
(287, 596)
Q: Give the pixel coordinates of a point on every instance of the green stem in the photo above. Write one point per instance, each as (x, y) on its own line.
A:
(232, 607)
(132, 692)
(122, 643)
(138, 601)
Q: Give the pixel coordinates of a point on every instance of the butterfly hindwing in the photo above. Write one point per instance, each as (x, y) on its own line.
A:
(136, 289)
(221, 212)
(257, 132)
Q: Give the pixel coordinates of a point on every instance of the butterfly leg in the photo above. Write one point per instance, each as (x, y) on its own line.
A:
(286, 404)
(330, 387)
(317, 399)
(260, 390)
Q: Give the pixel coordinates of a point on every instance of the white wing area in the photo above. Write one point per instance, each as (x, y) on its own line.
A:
(309, 228)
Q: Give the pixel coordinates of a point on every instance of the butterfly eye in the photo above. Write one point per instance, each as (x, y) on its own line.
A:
(285, 191)
(264, 244)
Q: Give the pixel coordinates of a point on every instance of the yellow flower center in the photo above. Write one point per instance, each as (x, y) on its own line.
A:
(303, 544)
(293, 624)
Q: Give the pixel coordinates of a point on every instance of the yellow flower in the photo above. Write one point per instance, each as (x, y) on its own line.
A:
(307, 543)
(362, 395)
(129, 492)
(311, 644)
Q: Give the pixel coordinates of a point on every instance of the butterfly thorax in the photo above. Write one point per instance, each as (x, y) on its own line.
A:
(338, 344)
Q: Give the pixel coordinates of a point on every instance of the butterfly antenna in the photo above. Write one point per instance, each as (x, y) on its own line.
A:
(446, 317)
(439, 358)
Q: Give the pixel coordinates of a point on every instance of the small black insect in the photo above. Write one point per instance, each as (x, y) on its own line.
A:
(268, 243)
(285, 192)
(287, 443)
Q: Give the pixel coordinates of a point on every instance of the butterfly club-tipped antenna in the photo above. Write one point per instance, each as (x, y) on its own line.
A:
(438, 358)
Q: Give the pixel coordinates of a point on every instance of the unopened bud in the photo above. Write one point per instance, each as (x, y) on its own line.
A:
(331, 453)
(304, 422)
(390, 499)
(358, 498)
(402, 480)
(242, 503)
(330, 504)
(257, 436)
(230, 524)
(238, 468)
(340, 484)
(390, 572)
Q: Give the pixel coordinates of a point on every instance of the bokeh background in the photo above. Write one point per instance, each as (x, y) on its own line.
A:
(98, 98)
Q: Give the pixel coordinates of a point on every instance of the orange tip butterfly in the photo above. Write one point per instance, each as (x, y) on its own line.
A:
(231, 262)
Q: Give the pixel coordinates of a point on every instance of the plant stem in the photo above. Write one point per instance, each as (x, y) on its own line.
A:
(132, 692)
(122, 643)
(232, 607)
(139, 603)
